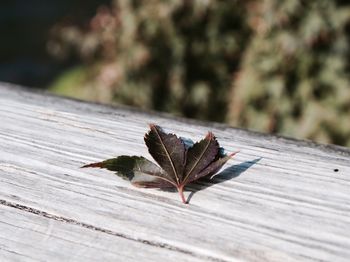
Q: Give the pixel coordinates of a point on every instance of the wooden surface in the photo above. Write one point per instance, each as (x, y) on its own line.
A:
(277, 200)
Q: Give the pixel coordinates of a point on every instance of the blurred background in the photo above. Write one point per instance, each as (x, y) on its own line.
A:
(267, 65)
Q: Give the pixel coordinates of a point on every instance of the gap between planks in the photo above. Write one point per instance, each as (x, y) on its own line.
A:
(105, 231)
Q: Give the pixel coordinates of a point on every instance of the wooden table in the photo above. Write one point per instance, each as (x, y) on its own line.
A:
(277, 200)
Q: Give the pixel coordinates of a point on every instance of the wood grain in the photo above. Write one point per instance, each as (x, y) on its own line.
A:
(31, 235)
(278, 199)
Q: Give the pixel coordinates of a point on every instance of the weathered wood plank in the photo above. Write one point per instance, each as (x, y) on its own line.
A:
(277, 199)
(36, 236)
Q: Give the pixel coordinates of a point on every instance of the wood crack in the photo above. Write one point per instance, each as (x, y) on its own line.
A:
(107, 231)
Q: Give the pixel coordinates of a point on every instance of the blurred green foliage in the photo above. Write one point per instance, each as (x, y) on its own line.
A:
(273, 66)
(294, 77)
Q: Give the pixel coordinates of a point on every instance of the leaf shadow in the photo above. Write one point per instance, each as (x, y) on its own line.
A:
(227, 174)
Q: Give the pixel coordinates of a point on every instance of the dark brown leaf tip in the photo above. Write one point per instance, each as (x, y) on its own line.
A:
(210, 135)
(179, 164)
(234, 153)
(99, 164)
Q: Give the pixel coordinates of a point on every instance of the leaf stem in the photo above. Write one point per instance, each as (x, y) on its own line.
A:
(181, 192)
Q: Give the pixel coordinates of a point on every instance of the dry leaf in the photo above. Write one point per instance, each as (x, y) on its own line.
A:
(179, 164)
